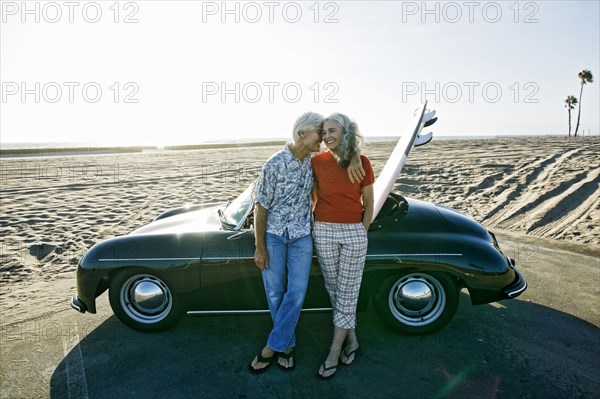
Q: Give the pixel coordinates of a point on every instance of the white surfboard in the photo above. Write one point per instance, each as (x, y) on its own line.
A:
(385, 181)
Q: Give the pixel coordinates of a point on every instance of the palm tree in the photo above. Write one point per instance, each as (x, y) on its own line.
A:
(586, 77)
(570, 103)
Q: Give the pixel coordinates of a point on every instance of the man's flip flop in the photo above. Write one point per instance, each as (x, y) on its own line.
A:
(262, 359)
(354, 352)
(286, 356)
(321, 377)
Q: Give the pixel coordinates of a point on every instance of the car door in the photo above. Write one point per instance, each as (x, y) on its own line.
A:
(229, 279)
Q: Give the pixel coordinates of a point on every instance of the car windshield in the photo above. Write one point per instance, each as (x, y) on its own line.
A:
(234, 214)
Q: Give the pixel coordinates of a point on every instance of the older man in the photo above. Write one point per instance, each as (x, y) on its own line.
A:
(284, 246)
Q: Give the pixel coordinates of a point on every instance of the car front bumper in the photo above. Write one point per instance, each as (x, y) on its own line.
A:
(516, 288)
(77, 304)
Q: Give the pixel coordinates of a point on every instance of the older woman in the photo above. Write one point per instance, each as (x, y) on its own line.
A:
(343, 211)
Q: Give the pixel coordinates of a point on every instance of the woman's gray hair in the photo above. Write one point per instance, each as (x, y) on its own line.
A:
(306, 123)
(351, 141)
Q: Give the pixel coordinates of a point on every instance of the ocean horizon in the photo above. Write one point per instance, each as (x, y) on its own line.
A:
(90, 145)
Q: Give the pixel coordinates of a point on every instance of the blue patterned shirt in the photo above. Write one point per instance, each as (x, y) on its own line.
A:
(284, 189)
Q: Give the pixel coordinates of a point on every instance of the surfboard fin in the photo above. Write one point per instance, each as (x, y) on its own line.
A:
(430, 122)
(423, 139)
(428, 115)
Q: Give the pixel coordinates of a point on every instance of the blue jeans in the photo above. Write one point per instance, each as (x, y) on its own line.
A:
(285, 281)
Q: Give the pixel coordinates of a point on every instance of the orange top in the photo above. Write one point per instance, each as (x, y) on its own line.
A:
(338, 200)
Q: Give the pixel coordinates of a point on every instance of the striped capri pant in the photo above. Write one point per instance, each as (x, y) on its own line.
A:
(342, 250)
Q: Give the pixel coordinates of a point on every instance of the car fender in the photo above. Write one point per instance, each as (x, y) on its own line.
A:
(175, 257)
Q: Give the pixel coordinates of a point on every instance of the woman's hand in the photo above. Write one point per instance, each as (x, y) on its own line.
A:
(368, 202)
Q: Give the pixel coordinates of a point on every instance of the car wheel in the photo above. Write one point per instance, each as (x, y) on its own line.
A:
(144, 301)
(417, 303)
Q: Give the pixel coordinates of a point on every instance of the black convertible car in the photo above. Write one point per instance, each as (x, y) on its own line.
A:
(199, 259)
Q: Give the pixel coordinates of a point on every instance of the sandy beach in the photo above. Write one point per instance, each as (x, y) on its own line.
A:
(56, 207)
(541, 195)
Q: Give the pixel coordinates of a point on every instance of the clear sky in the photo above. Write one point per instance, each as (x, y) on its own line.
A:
(156, 73)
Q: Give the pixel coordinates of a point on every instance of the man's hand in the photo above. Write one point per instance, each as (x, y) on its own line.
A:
(355, 170)
(261, 258)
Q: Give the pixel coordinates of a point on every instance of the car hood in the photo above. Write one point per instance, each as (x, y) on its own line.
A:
(206, 219)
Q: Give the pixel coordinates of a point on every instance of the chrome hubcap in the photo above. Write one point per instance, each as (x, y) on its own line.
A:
(417, 299)
(146, 298)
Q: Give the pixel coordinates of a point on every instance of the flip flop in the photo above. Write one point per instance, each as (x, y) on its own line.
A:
(326, 369)
(262, 359)
(354, 352)
(286, 356)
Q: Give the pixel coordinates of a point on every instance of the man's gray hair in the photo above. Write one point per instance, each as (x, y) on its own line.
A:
(306, 123)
